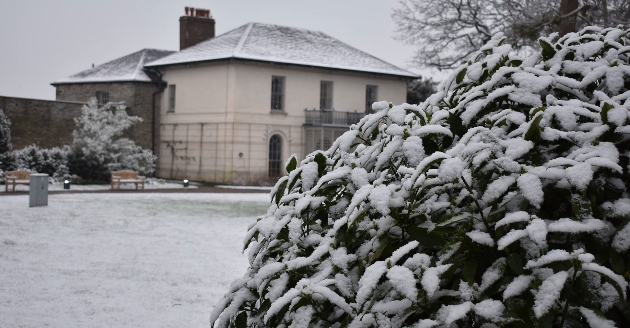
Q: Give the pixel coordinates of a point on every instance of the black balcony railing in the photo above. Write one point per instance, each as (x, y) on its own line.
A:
(331, 117)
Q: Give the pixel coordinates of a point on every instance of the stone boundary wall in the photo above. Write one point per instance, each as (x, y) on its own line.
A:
(46, 123)
(136, 96)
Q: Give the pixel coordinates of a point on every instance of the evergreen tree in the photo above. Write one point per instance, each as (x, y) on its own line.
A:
(5, 133)
(419, 90)
(6, 160)
(502, 200)
(99, 147)
(447, 32)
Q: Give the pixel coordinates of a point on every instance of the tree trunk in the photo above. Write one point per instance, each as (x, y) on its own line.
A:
(605, 13)
(567, 23)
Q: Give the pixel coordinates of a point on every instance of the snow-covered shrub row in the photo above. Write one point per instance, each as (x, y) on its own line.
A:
(53, 161)
(5, 133)
(99, 146)
(502, 200)
(5, 144)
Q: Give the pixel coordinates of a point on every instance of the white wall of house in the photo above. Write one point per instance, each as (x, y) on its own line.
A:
(223, 121)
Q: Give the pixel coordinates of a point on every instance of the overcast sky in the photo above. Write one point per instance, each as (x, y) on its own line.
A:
(42, 40)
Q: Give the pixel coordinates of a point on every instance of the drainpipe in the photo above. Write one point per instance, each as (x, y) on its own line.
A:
(161, 84)
(161, 87)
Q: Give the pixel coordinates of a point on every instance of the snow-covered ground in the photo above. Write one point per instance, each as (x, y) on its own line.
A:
(149, 184)
(266, 188)
(121, 260)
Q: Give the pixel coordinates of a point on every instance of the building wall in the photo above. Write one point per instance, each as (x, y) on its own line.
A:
(222, 123)
(45, 123)
(137, 96)
(230, 153)
(201, 90)
(302, 89)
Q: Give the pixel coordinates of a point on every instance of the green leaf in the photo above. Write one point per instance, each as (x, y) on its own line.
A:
(460, 76)
(469, 270)
(581, 206)
(533, 133)
(295, 179)
(515, 263)
(538, 109)
(379, 251)
(546, 321)
(547, 50)
(292, 164)
(617, 263)
(604, 112)
(320, 159)
(427, 239)
(280, 191)
(613, 283)
(430, 146)
(241, 320)
(323, 217)
(456, 125)
(302, 302)
(254, 238)
(570, 56)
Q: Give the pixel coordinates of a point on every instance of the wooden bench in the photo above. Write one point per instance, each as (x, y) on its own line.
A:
(16, 178)
(126, 176)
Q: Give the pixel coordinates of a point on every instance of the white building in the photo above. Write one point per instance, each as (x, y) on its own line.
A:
(233, 108)
(238, 105)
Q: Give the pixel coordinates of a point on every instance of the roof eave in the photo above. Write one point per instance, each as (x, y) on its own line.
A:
(408, 76)
(95, 82)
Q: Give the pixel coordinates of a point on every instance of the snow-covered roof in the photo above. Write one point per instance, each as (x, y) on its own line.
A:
(123, 69)
(280, 44)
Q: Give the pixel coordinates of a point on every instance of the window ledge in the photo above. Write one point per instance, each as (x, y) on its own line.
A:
(278, 112)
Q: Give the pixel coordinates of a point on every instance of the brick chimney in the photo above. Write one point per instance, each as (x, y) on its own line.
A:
(196, 26)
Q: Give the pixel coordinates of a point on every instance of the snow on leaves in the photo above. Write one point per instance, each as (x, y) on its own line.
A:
(502, 197)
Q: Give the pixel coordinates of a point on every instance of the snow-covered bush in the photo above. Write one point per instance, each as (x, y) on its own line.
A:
(53, 161)
(5, 133)
(502, 200)
(99, 146)
(5, 145)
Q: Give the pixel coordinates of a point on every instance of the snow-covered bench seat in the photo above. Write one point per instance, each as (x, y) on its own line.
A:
(126, 176)
(16, 178)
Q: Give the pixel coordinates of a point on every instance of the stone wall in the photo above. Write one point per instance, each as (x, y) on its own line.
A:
(137, 96)
(45, 123)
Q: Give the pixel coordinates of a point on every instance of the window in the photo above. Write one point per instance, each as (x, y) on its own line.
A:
(325, 95)
(277, 92)
(275, 156)
(370, 97)
(171, 98)
(102, 97)
(326, 145)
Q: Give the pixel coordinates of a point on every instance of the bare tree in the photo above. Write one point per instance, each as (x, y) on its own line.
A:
(447, 32)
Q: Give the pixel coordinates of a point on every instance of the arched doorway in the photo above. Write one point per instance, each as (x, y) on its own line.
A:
(275, 156)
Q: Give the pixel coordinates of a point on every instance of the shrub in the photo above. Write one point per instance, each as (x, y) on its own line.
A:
(99, 148)
(5, 143)
(5, 133)
(502, 200)
(53, 161)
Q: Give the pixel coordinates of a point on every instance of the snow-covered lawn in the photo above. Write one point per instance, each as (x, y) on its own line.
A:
(121, 260)
(149, 184)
